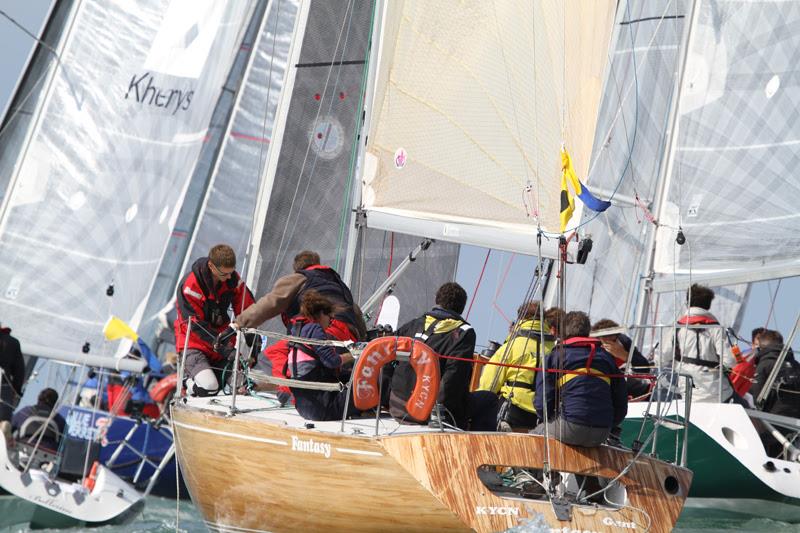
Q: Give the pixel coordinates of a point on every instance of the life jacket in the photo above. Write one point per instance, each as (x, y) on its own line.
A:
(588, 370)
(215, 303)
(742, 374)
(327, 282)
(693, 320)
(788, 382)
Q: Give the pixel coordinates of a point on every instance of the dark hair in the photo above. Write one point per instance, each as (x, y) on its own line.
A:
(554, 318)
(222, 256)
(314, 303)
(756, 333)
(305, 259)
(528, 310)
(605, 323)
(452, 296)
(699, 296)
(576, 324)
(769, 337)
(48, 397)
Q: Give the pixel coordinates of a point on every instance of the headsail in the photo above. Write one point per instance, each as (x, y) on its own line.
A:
(733, 186)
(472, 105)
(98, 186)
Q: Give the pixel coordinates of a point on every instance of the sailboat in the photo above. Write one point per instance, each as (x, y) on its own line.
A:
(99, 147)
(706, 197)
(459, 141)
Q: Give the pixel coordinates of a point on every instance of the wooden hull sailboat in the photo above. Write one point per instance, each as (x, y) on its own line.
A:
(267, 469)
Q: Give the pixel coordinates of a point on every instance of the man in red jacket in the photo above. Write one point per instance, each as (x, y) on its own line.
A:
(205, 295)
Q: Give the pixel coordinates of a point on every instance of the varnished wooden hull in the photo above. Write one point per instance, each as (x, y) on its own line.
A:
(246, 473)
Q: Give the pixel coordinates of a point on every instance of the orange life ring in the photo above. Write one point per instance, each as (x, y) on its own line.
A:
(164, 386)
(380, 351)
(91, 478)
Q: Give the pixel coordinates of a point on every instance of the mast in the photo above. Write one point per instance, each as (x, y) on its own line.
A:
(645, 296)
(357, 223)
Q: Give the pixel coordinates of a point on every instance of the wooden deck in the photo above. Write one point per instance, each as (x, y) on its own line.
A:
(260, 473)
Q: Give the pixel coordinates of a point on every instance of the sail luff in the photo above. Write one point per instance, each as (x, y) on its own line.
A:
(662, 184)
(267, 178)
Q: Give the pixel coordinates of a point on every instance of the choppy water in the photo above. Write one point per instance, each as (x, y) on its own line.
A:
(159, 517)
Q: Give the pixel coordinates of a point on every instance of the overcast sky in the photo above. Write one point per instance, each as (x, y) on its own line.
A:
(505, 280)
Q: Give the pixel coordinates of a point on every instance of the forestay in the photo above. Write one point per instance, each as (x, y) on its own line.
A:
(472, 103)
(732, 187)
(98, 186)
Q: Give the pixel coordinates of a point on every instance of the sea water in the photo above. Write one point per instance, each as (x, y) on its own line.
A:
(159, 517)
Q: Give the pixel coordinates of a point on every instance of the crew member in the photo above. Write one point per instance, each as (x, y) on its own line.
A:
(447, 333)
(13, 366)
(206, 295)
(284, 299)
(592, 395)
(316, 362)
(516, 385)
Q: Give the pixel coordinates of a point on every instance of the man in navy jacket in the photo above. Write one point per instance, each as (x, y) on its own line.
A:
(591, 399)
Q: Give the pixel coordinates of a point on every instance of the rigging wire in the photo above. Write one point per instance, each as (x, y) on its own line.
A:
(478, 284)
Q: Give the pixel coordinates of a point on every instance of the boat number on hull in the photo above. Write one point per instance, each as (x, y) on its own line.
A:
(505, 511)
(311, 446)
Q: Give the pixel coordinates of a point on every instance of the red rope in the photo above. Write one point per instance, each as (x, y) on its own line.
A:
(548, 370)
(475, 292)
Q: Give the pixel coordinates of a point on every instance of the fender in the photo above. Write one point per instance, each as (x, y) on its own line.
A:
(380, 351)
(164, 386)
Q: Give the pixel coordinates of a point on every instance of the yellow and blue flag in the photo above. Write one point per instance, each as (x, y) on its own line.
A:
(567, 201)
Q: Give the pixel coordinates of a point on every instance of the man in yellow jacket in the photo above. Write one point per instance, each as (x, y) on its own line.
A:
(516, 386)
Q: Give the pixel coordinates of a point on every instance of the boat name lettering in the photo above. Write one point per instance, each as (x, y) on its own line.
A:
(507, 511)
(51, 503)
(608, 521)
(311, 446)
(144, 91)
(425, 390)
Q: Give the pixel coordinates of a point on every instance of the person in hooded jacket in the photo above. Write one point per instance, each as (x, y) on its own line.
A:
(516, 386)
(619, 346)
(285, 298)
(319, 363)
(784, 399)
(13, 364)
(447, 333)
(206, 295)
(700, 350)
(593, 396)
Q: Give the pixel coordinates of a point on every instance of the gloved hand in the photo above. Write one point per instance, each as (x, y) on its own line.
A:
(223, 337)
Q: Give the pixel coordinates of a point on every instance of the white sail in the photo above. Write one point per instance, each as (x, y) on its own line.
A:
(628, 153)
(732, 186)
(472, 105)
(96, 190)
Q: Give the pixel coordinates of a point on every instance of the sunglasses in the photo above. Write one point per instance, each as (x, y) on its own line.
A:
(222, 274)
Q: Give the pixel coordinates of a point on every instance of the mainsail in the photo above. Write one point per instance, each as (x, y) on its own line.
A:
(98, 185)
(472, 105)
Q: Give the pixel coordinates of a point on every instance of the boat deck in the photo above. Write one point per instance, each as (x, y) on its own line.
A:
(264, 406)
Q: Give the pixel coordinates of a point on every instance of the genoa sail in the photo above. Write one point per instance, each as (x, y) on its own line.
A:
(97, 187)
